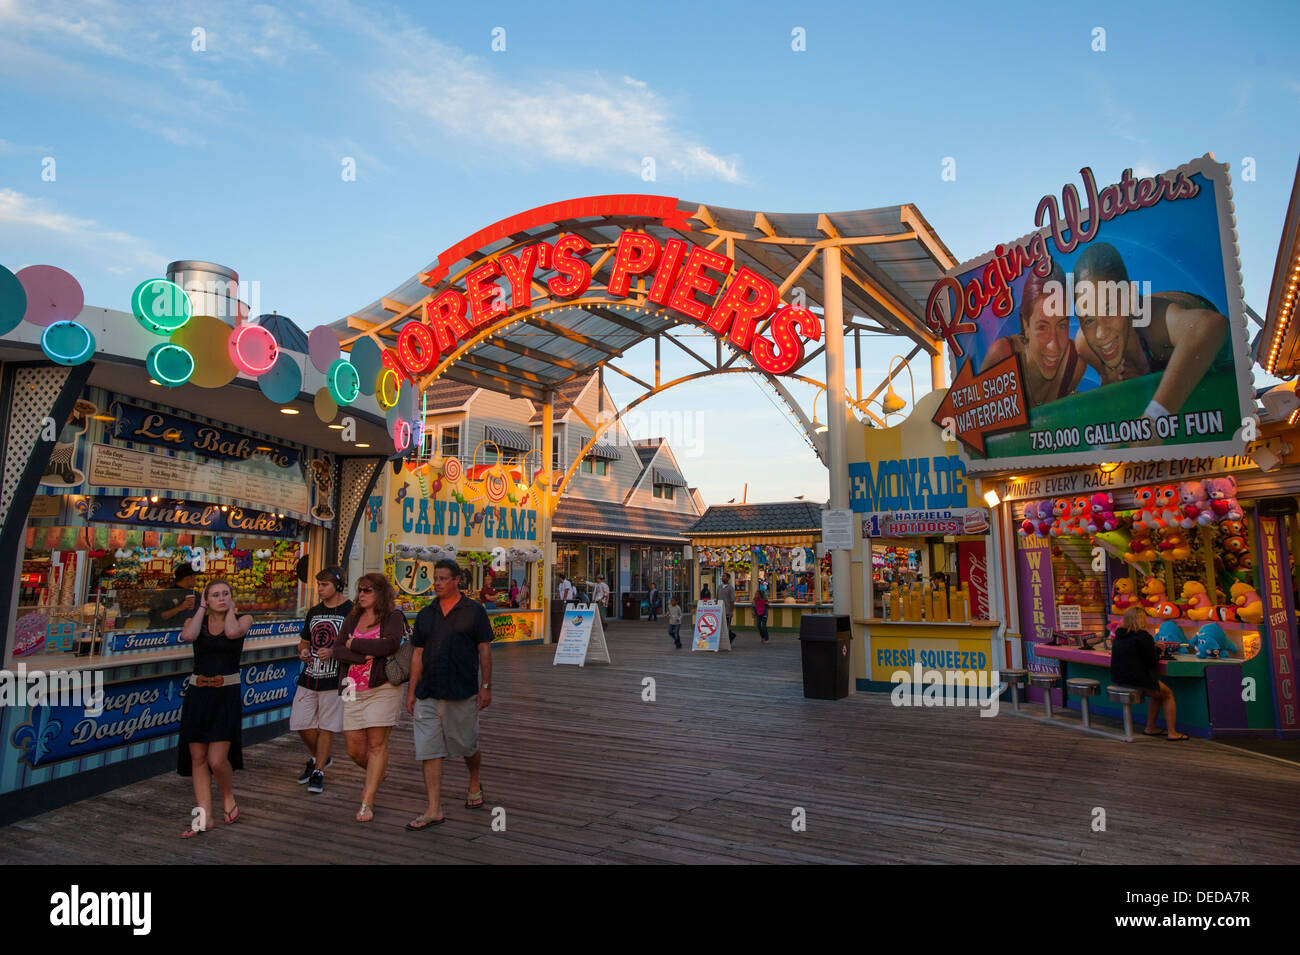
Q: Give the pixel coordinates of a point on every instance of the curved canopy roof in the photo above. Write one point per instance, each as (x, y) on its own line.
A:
(891, 259)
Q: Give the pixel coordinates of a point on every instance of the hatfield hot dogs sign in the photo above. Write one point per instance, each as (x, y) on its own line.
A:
(1114, 332)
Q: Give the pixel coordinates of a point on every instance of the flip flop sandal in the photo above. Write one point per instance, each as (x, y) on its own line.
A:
(482, 800)
(425, 822)
(1176, 739)
(1156, 733)
(365, 813)
(191, 833)
(232, 816)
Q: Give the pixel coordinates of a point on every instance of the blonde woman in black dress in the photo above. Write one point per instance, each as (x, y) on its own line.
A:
(209, 745)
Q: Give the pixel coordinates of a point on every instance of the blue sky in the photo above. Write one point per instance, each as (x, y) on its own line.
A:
(233, 153)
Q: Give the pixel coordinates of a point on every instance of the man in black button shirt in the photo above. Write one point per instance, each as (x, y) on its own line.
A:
(451, 642)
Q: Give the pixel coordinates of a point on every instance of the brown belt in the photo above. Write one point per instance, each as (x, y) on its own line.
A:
(228, 679)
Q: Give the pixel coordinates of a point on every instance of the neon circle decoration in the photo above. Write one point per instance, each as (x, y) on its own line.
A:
(253, 349)
(169, 364)
(67, 343)
(402, 435)
(13, 301)
(161, 306)
(53, 295)
(451, 469)
(343, 381)
(387, 388)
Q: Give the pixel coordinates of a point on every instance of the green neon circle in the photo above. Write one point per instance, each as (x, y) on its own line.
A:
(67, 343)
(170, 365)
(161, 306)
(343, 381)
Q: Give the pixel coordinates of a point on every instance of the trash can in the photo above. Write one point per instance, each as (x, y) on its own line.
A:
(824, 640)
(557, 619)
(631, 607)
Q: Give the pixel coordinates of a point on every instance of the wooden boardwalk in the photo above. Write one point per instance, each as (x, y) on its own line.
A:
(711, 771)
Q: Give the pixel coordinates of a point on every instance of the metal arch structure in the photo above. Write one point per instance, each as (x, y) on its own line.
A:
(866, 273)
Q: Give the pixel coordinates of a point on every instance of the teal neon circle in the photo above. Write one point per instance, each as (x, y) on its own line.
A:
(169, 364)
(343, 381)
(67, 343)
(161, 306)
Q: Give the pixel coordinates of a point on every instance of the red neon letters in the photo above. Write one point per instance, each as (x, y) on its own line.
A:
(678, 273)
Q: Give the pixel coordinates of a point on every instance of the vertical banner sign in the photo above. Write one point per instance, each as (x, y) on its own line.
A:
(973, 569)
(1279, 618)
(1037, 600)
(1060, 340)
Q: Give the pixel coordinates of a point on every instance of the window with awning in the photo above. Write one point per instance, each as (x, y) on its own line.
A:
(667, 477)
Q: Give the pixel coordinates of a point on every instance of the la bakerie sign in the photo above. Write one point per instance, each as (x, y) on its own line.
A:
(675, 274)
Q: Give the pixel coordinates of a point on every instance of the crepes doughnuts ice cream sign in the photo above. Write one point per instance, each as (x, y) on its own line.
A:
(1115, 332)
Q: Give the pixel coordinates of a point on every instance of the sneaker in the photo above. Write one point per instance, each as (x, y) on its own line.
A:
(317, 784)
(310, 767)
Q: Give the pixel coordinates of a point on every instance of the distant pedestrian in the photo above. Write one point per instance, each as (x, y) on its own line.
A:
(372, 632)
(653, 601)
(451, 644)
(487, 595)
(675, 622)
(566, 591)
(600, 595)
(760, 612)
(727, 594)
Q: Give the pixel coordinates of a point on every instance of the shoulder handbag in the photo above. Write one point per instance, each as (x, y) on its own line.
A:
(397, 666)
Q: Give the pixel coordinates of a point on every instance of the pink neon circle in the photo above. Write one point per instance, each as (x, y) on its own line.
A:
(253, 349)
(53, 295)
(402, 435)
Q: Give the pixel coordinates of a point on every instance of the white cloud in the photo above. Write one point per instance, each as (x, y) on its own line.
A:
(582, 119)
(119, 252)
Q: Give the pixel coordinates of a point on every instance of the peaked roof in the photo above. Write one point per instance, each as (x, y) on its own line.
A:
(571, 391)
(286, 334)
(778, 516)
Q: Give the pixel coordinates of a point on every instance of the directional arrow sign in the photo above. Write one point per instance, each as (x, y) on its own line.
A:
(987, 403)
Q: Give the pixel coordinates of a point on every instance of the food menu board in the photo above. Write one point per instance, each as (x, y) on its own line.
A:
(121, 467)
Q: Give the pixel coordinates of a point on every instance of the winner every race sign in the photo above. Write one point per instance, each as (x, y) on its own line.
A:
(1116, 332)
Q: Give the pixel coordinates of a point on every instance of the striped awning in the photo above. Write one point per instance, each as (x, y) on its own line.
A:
(508, 440)
(604, 452)
(799, 538)
(668, 476)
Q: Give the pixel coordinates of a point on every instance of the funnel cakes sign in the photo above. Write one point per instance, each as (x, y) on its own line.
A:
(705, 286)
(1115, 332)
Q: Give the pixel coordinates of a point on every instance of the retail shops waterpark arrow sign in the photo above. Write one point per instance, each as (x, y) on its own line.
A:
(1113, 333)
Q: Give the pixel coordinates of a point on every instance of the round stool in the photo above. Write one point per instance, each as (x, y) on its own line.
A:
(1126, 696)
(1015, 678)
(1045, 682)
(1083, 688)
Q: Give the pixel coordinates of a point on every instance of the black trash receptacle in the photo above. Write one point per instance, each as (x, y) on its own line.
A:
(631, 607)
(557, 619)
(824, 639)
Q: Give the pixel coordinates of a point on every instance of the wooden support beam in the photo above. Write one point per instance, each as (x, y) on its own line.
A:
(512, 346)
(614, 368)
(570, 335)
(469, 376)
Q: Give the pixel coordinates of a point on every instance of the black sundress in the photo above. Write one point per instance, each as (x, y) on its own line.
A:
(212, 714)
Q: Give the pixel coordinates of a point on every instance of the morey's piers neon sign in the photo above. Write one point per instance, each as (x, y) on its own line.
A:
(674, 274)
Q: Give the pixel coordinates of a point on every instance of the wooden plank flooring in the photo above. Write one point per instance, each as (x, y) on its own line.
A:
(710, 772)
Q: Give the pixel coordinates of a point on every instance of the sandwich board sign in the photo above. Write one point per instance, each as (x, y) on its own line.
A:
(711, 631)
(582, 637)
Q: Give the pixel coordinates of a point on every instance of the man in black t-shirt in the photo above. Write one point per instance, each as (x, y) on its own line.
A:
(169, 609)
(317, 712)
(451, 642)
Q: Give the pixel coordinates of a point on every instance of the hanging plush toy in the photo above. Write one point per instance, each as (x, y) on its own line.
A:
(1155, 600)
(1167, 503)
(1103, 518)
(1250, 607)
(1148, 514)
(1223, 498)
(1061, 511)
(1174, 546)
(1197, 601)
(1140, 548)
(1123, 597)
(1195, 505)
(1080, 516)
